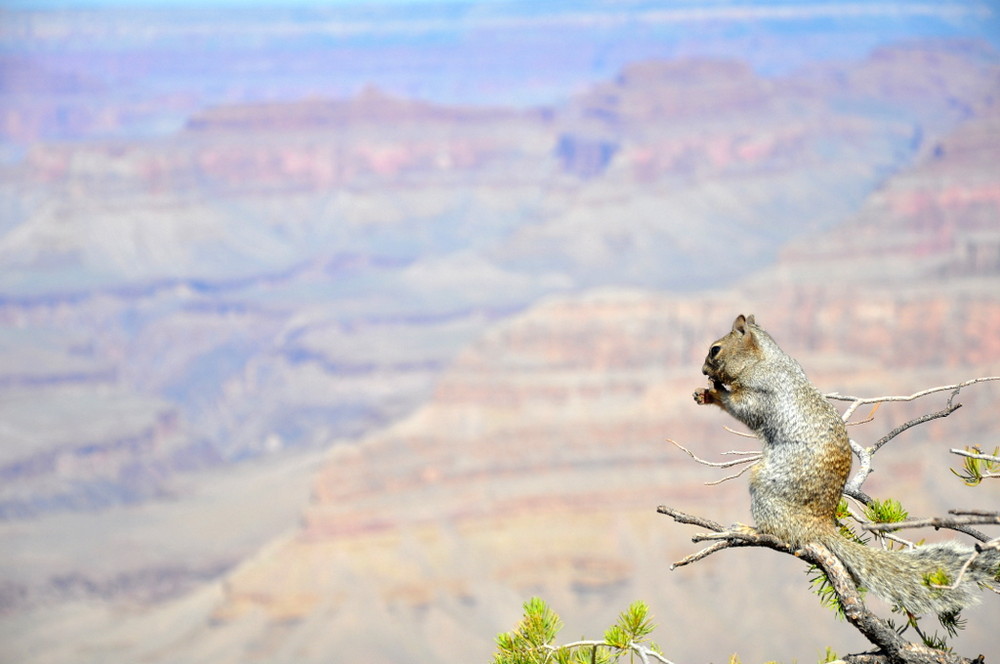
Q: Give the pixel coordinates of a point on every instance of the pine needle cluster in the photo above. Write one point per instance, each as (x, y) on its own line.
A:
(975, 469)
(532, 641)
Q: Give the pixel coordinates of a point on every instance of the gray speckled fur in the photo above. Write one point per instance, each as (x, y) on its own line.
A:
(797, 484)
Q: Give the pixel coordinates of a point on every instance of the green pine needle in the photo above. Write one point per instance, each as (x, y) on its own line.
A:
(974, 470)
(887, 511)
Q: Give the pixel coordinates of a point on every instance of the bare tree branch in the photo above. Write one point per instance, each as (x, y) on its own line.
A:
(944, 412)
(853, 486)
(642, 651)
(870, 418)
(724, 538)
(871, 626)
(973, 512)
(704, 553)
(937, 522)
(858, 401)
(864, 454)
(972, 455)
(728, 477)
(684, 517)
(895, 649)
(717, 464)
(741, 434)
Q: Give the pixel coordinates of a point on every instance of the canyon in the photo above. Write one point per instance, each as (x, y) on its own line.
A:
(350, 377)
(538, 461)
(309, 284)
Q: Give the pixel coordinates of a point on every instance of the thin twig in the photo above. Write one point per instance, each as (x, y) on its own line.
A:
(713, 464)
(728, 477)
(870, 418)
(725, 538)
(742, 434)
(974, 513)
(916, 395)
(944, 412)
(972, 455)
(690, 519)
(936, 522)
(704, 553)
(853, 485)
(864, 454)
(642, 651)
(992, 544)
(897, 539)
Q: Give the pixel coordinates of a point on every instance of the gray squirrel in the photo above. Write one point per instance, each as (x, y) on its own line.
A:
(796, 485)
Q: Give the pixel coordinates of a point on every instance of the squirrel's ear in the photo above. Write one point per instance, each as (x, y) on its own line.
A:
(751, 320)
(740, 324)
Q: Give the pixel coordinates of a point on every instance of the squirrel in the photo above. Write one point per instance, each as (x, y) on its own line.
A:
(796, 486)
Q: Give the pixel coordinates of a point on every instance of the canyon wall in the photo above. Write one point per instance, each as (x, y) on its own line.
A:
(537, 463)
(465, 330)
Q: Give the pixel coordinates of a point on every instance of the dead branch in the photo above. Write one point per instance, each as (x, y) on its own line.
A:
(871, 626)
(973, 512)
(870, 418)
(852, 487)
(741, 434)
(864, 454)
(895, 649)
(986, 518)
(684, 517)
(972, 455)
(860, 401)
(717, 464)
(728, 477)
(722, 539)
(944, 412)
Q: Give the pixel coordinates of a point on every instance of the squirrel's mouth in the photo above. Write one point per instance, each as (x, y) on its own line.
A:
(711, 369)
(715, 376)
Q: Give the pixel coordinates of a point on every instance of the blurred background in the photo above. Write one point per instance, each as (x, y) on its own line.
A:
(333, 332)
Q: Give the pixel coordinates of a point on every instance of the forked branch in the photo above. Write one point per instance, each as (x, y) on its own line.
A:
(894, 648)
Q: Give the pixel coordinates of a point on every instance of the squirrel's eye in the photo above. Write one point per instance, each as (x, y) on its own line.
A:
(714, 350)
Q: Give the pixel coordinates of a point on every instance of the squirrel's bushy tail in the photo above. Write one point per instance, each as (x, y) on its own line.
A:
(901, 576)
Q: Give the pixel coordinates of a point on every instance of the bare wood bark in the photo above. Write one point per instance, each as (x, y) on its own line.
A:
(894, 649)
(938, 522)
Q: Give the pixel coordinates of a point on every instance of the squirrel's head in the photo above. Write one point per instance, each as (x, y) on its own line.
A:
(729, 357)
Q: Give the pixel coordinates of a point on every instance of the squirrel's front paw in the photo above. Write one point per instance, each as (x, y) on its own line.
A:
(703, 396)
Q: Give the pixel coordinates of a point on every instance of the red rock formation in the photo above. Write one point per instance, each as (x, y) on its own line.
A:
(539, 460)
(308, 146)
(937, 220)
(548, 434)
